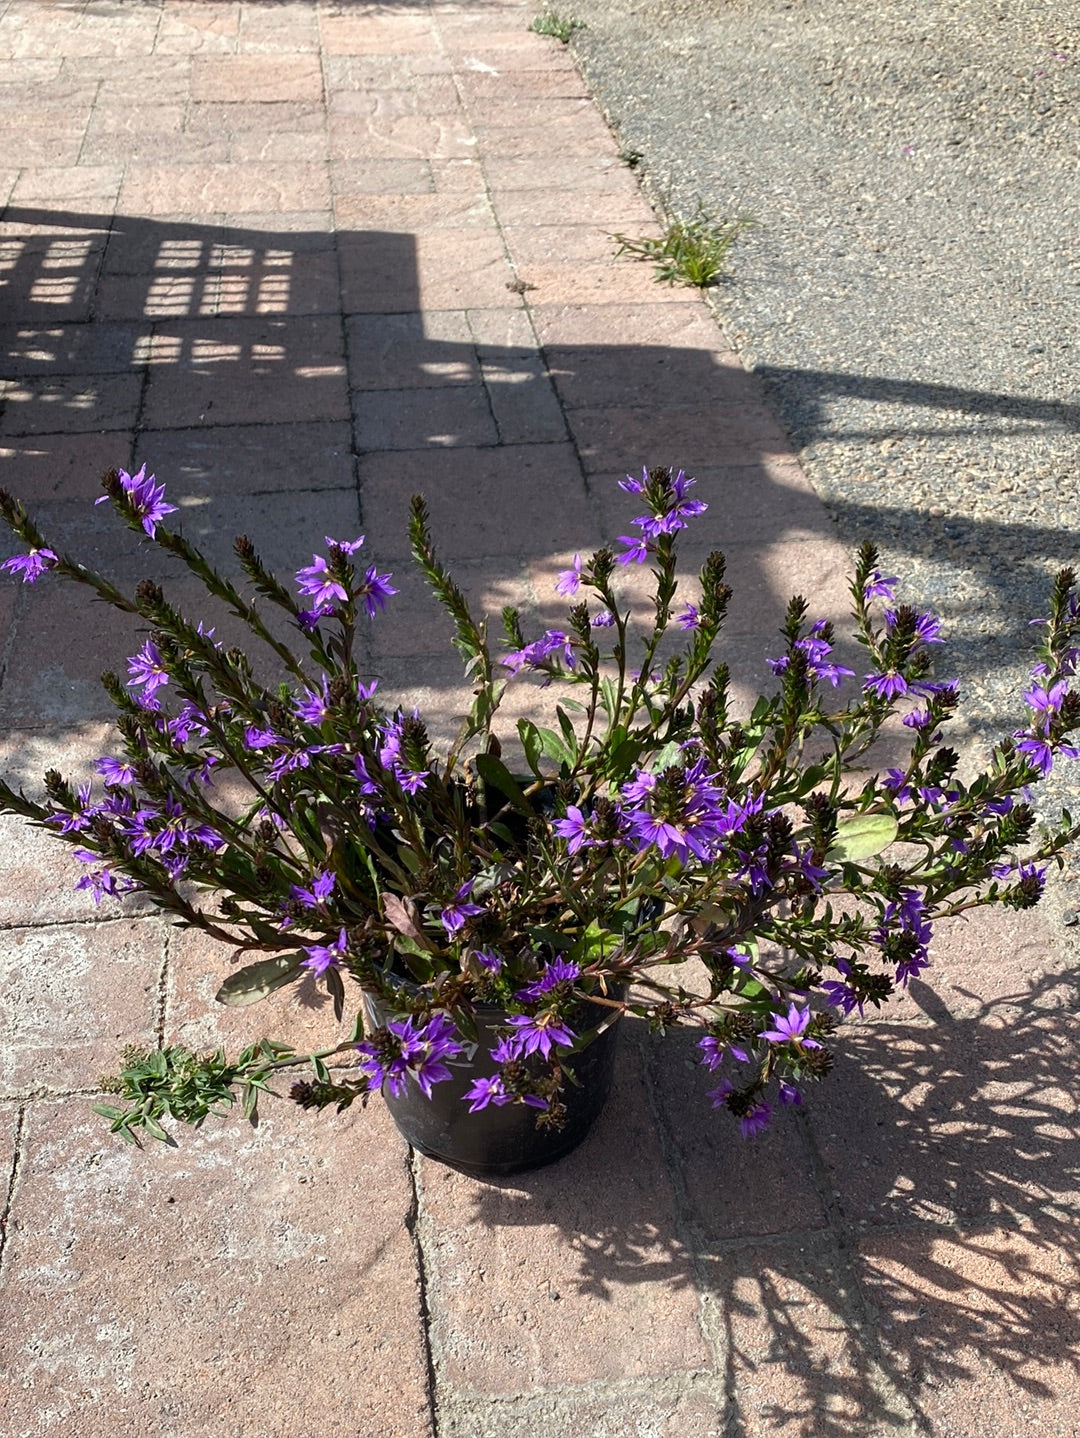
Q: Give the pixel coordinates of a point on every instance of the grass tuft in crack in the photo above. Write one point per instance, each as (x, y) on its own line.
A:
(690, 252)
(559, 27)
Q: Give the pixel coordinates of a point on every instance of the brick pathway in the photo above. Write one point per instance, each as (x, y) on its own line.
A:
(304, 259)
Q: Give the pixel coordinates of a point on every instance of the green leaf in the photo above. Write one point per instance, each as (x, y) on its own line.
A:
(253, 982)
(500, 831)
(553, 746)
(154, 1129)
(810, 780)
(862, 836)
(668, 756)
(530, 742)
(494, 772)
(108, 1110)
(624, 757)
(335, 987)
(566, 724)
(594, 943)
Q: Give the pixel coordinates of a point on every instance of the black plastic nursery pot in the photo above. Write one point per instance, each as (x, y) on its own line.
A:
(496, 1141)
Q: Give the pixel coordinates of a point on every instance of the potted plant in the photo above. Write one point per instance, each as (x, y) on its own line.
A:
(482, 917)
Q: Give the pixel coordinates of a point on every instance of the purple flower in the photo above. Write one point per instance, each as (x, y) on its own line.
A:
(289, 763)
(569, 580)
(637, 549)
(31, 566)
(914, 932)
(574, 829)
(322, 887)
(485, 1091)
(458, 910)
(789, 1094)
(538, 1033)
(540, 651)
(115, 771)
(314, 705)
(560, 971)
(689, 618)
(308, 619)
(317, 581)
(145, 496)
(391, 755)
(680, 816)
(374, 589)
(189, 720)
(927, 627)
(713, 1051)
(505, 1051)
(99, 881)
(425, 1049)
(488, 959)
(895, 781)
(1033, 874)
(877, 587)
(719, 1095)
(790, 1028)
(321, 957)
(256, 739)
(404, 1047)
(918, 719)
(632, 485)
(756, 1119)
(683, 508)
(887, 685)
(818, 665)
(841, 994)
(604, 620)
(147, 668)
(74, 821)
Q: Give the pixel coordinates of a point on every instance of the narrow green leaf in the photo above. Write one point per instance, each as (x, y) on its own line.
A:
(566, 724)
(336, 989)
(862, 836)
(530, 742)
(155, 1130)
(253, 982)
(553, 746)
(494, 772)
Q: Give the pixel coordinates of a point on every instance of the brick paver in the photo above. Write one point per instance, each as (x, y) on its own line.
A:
(305, 259)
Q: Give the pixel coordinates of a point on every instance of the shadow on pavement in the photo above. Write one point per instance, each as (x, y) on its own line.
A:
(917, 1222)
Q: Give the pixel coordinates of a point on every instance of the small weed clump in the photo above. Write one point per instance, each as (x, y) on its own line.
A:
(691, 252)
(559, 27)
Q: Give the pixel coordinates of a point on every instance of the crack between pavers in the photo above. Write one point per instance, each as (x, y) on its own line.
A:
(13, 1178)
(91, 921)
(713, 1321)
(412, 1225)
(881, 1367)
(526, 308)
(162, 997)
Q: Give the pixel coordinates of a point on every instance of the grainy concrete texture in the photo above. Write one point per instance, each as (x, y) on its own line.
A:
(303, 259)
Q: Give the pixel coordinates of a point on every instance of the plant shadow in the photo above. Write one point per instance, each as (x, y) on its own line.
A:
(913, 1228)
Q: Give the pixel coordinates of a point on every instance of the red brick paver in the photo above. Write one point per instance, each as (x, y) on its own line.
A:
(305, 259)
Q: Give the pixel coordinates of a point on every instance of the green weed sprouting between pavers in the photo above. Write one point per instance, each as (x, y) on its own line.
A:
(690, 252)
(559, 27)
